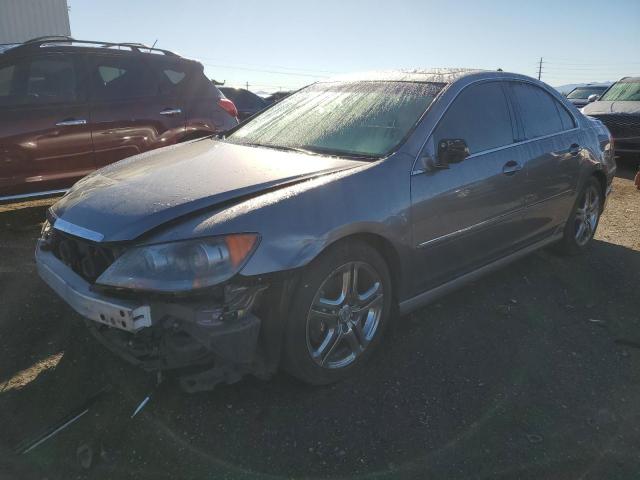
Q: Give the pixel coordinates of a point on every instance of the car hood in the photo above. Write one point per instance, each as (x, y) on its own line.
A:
(602, 107)
(126, 199)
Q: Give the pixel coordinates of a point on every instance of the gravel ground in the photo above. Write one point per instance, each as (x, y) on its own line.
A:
(531, 372)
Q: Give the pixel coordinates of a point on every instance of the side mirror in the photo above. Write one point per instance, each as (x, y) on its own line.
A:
(593, 97)
(453, 150)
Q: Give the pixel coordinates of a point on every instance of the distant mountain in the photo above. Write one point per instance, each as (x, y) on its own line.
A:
(564, 89)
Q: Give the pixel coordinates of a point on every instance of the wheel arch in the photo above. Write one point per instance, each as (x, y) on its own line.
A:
(385, 248)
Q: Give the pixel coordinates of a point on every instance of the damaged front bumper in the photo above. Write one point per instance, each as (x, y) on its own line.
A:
(218, 335)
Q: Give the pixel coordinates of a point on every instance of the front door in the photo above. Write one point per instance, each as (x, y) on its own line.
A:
(130, 112)
(470, 213)
(45, 133)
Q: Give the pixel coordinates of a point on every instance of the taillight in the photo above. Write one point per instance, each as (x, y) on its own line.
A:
(228, 106)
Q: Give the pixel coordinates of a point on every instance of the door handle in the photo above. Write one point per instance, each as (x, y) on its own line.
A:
(171, 111)
(511, 167)
(574, 149)
(71, 122)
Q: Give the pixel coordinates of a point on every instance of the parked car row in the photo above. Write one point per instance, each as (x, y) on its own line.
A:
(291, 241)
(247, 102)
(584, 94)
(619, 109)
(69, 107)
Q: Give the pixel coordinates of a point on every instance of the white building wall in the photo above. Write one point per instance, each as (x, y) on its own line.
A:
(22, 20)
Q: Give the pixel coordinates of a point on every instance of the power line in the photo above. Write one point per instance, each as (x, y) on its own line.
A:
(232, 67)
(265, 68)
(279, 67)
(554, 61)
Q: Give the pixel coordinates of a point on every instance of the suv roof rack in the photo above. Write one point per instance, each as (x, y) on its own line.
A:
(58, 39)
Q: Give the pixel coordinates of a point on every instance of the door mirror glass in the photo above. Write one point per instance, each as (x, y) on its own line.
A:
(593, 97)
(452, 150)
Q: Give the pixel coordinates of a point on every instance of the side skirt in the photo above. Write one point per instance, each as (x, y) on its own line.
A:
(424, 298)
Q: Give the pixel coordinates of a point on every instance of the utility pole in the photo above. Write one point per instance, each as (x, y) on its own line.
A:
(540, 69)
(247, 85)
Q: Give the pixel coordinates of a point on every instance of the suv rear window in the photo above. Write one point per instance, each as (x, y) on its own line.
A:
(6, 79)
(122, 77)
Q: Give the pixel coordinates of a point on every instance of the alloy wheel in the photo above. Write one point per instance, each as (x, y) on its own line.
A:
(587, 215)
(345, 315)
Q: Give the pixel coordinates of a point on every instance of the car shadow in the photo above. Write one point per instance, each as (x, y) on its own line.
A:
(519, 366)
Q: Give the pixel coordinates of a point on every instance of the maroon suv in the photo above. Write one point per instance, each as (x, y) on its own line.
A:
(68, 107)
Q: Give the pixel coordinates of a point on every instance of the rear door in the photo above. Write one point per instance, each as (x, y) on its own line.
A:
(45, 136)
(551, 146)
(132, 110)
(468, 214)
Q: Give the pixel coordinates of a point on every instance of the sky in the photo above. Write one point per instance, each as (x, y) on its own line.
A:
(285, 44)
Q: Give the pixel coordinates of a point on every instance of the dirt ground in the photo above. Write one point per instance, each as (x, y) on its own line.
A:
(531, 372)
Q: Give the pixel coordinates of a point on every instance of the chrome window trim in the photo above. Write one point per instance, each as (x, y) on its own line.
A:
(497, 149)
(419, 171)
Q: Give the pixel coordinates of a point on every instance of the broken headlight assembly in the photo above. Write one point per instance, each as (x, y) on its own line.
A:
(180, 266)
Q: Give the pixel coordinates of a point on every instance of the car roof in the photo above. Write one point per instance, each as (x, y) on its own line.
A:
(432, 75)
(629, 79)
(66, 44)
(237, 89)
(589, 85)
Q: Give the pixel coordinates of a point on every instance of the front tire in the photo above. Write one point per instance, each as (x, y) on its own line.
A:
(584, 219)
(339, 313)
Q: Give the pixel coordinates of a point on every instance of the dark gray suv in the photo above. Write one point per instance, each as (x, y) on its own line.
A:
(295, 239)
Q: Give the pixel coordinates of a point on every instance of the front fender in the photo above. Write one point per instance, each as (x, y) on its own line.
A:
(297, 223)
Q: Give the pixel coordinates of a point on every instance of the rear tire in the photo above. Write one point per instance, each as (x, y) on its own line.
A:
(583, 221)
(339, 313)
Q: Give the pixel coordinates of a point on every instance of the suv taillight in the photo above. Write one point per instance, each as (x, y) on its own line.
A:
(228, 106)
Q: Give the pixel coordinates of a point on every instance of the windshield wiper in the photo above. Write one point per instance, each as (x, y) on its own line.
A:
(340, 153)
(275, 147)
(313, 150)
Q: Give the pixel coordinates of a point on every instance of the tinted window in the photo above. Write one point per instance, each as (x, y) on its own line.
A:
(565, 117)
(582, 93)
(480, 116)
(539, 112)
(182, 77)
(117, 78)
(7, 73)
(174, 77)
(51, 80)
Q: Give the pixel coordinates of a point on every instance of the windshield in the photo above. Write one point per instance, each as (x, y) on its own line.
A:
(582, 93)
(342, 118)
(628, 90)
